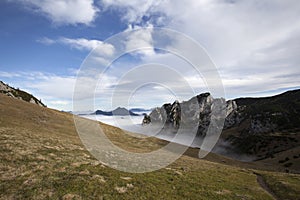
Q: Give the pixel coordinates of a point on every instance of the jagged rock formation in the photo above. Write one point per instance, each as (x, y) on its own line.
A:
(252, 126)
(197, 110)
(19, 94)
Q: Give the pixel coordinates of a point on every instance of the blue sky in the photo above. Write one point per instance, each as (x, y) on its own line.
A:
(254, 45)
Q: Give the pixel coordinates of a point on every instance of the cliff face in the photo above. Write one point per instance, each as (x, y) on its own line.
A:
(197, 110)
(19, 94)
(252, 126)
(263, 115)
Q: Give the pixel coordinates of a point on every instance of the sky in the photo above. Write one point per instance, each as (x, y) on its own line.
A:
(49, 47)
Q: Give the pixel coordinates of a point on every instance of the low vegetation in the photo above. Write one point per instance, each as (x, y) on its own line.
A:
(42, 158)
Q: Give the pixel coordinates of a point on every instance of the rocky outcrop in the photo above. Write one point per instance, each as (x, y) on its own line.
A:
(255, 115)
(196, 111)
(258, 127)
(19, 94)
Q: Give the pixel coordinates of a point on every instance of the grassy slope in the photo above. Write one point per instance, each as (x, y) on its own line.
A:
(42, 157)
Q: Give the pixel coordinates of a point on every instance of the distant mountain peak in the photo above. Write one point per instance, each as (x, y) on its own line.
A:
(119, 111)
(16, 93)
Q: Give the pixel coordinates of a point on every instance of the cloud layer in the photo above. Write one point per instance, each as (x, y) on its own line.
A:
(254, 44)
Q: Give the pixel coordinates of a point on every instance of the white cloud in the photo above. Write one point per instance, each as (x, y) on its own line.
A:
(46, 41)
(84, 44)
(255, 45)
(9, 75)
(65, 11)
(53, 86)
(57, 91)
(134, 9)
(251, 41)
(140, 40)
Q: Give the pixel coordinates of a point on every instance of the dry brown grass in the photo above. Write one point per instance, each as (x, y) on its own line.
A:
(42, 158)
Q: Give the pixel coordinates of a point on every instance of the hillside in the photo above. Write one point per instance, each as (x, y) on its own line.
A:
(19, 94)
(267, 128)
(42, 158)
(281, 112)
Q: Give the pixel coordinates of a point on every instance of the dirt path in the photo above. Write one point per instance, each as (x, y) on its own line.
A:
(265, 186)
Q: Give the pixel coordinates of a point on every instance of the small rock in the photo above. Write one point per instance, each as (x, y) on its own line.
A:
(95, 163)
(30, 181)
(40, 167)
(63, 169)
(71, 197)
(178, 173)
(85, 172)
(78, 164)
(98, 177)
(40, 157)
(121, 190)
(52, 155)
(223, 192)
(126, 178)
(86, 155)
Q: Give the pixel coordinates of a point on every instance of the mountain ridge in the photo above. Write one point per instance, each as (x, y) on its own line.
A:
(255, 127)
(19, 94)
(119, 111)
